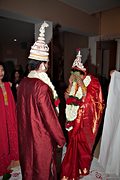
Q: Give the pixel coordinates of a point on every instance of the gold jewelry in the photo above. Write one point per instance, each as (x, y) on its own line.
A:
(4, 93)
(1, 85)
(84, 90)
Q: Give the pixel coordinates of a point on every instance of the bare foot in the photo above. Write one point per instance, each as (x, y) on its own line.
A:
(13, 164)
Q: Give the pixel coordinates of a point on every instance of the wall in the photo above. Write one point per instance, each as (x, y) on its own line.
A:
(71, 43)
(110, 23)
(15, 51)
(70, 19)
(51, 10)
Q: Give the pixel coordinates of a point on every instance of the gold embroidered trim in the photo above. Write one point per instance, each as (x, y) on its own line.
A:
(4, 94)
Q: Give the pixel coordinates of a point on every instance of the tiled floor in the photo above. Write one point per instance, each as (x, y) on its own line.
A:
(98, 173)
(16, 174)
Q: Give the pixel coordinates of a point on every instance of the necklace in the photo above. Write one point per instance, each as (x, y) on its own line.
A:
(4, 93)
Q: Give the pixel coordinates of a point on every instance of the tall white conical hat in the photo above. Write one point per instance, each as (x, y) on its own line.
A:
(77, 64)
(40, 50)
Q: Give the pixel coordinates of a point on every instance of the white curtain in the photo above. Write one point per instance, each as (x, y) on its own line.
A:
(109, 156)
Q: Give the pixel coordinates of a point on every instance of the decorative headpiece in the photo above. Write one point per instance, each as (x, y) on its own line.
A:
(77, 64)
(39, 50)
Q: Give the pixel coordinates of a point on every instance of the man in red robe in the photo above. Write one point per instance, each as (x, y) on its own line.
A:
(84, 107)
(37, 108)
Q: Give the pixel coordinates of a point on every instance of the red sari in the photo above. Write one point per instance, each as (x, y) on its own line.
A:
(8, 129)
(78, 156)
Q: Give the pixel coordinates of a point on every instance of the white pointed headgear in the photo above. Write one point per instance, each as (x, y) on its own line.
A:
(77, 64)
(40, 50)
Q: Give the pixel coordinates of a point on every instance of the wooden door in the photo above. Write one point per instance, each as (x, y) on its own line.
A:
(106, 57)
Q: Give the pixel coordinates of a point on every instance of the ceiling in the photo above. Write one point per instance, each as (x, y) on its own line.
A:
(92, 6)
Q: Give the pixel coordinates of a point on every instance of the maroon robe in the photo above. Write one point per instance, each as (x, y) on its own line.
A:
(39, 130)
(8, 130)
(78, 156)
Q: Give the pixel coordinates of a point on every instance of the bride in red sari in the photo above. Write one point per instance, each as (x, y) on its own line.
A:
(8, 126)
(84, 107)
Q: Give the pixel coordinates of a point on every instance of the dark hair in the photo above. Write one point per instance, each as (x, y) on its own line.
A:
(5, 77)
(34, 64)
(13, 74)
(2, 64)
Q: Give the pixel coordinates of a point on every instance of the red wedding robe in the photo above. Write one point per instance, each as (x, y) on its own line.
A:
(82, 138)
(39, 130)
(8, 130)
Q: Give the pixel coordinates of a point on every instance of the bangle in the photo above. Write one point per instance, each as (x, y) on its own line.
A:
(84, 89)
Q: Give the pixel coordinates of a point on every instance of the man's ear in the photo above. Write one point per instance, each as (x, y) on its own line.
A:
(42, 66)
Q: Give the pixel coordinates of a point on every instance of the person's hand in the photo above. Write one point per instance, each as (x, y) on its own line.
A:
(81, 84)
(59, 146)
(10, 84)
(71, 79)
(111, 72)
(79, 81)
(66, 95)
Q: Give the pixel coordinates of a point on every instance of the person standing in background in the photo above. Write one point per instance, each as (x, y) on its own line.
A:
(8, 126)
(16, 78)
(84, 107)
(37, 109)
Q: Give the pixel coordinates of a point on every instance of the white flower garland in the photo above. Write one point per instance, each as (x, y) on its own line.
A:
(71, 110)
(44, 77)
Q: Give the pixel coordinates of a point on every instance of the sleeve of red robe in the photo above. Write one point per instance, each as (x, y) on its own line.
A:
(49, 115)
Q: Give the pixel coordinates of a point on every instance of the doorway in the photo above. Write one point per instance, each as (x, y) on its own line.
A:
(105, 57)
(105, 61)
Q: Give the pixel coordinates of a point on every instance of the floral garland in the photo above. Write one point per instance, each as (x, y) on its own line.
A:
(73, 103)
(44, 77)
